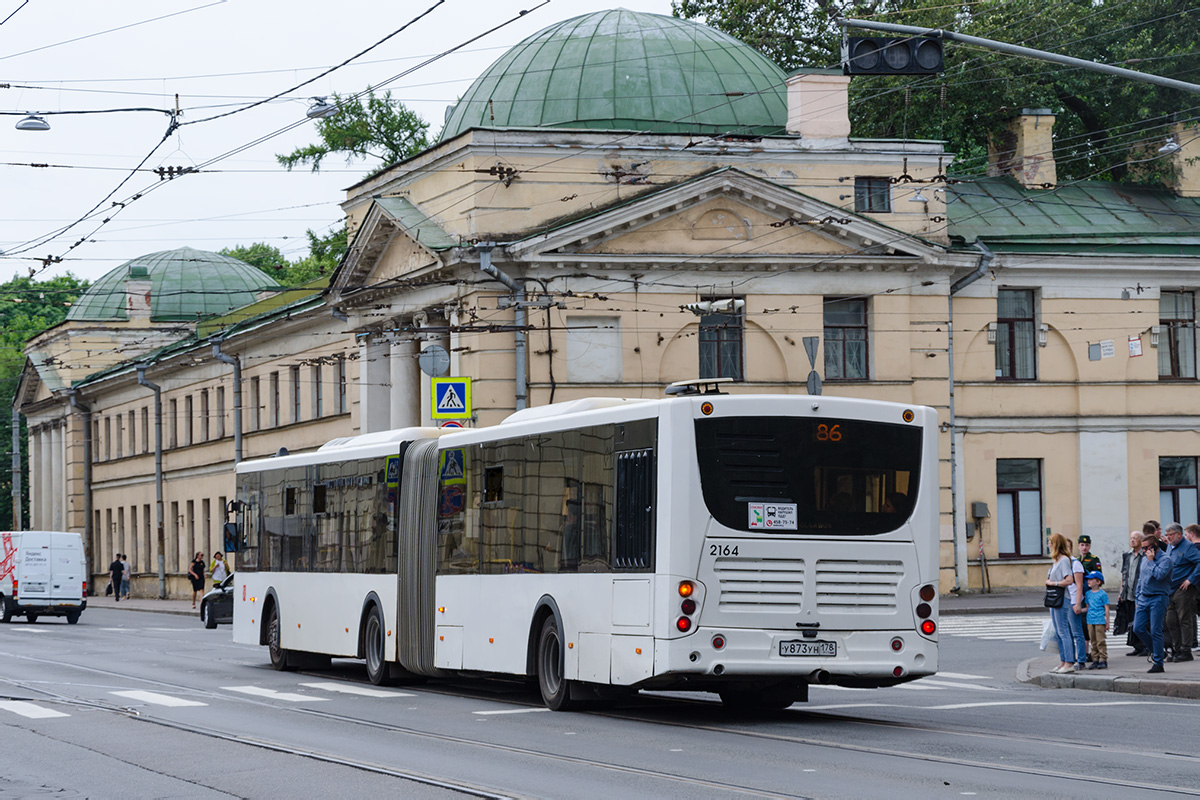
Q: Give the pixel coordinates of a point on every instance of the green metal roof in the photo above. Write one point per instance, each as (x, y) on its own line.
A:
(625, 70)
(184, 284)
(415, 221)
(1083, 216)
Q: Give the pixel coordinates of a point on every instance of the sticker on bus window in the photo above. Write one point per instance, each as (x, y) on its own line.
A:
(773, 516)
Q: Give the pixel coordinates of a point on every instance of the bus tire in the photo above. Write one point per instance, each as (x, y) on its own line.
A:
(72, 617)
(6, 609)
(555, 689)
(279, 656)
(374, 647)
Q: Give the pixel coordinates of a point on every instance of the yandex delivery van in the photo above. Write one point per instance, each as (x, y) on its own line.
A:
(42, 573)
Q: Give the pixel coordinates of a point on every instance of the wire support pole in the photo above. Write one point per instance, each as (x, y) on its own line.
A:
(1027, 52)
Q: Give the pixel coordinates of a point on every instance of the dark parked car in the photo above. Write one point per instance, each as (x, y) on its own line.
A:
(217, 606)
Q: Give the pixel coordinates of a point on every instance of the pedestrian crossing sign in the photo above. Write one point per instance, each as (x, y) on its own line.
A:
(451, 398)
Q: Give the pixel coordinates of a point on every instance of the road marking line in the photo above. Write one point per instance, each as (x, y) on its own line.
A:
(29, 710)
(158, 699)
(962, 676)
(948, 685)
(917, 687)
(274, 695)
(510, 711)
(349, 688)
(28, 629)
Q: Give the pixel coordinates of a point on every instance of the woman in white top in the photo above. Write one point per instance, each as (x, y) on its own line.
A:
(1061, 575)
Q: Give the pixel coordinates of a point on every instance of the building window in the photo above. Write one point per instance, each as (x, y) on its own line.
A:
(1019, 507)
(95, 440)
(341, 384)
(220, 412)
(845, 339)
(872, 195)
(107, 438)
(317, 392)
(1016, 339)
(295, 394)
(275, 421)
(204, 415)
(133, 433)
(174, 422)
(1177, 494)
(594, 349)
(145, 429)
(721, 346)
(120, 435)
(189, 413)
(256, 403)
(1177, 336)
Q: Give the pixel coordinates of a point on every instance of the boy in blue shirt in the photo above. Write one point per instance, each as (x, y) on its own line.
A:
(1097, 619)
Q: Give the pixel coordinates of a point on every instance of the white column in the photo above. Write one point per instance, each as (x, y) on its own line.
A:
(58, 485)
(406, 387)
(35, 477)
(1104, 496)
(374, 387)
(46, 484)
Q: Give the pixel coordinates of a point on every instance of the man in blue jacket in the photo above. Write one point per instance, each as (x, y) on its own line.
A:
(1154, 587)
(1181, 608)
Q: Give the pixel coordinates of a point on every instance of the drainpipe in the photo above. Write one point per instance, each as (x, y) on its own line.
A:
(520, 320)
(158, 479)
(16, 470)
(236, 363)
(960, 539)
(86, 412)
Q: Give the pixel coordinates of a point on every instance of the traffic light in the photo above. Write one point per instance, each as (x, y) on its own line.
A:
(892, 55)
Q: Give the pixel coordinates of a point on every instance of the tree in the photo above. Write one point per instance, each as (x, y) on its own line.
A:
(379, 128)
(1101, 119)
(324, 254)
(27, 307)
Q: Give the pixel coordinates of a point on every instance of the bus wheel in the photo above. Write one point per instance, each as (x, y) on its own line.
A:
(373, 647)
(555, 689)
(6, 610)
(279, 656)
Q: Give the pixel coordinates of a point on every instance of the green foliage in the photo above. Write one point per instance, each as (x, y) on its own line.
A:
(1101, 118)
(27, 307)
(324, 254)
(379, 128)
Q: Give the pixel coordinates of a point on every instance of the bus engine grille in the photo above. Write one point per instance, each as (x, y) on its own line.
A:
(854, 586)
(755, 584)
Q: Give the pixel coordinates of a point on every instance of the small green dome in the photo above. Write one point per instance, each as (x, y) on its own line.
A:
(185, 285)
(625, 70)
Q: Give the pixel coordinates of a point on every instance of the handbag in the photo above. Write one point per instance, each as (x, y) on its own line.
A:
(1054, 596)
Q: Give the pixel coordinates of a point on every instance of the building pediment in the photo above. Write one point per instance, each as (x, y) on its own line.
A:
(728, 216)
(396, 239)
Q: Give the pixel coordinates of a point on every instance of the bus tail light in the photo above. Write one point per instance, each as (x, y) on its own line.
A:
(684, 624)
(85, 588)
(14, 587)
(897, 644)
(928, 627)
(928, 592)
(688, 606)
(718, 642)
(686, 588)
(898, 671)
(923, 610)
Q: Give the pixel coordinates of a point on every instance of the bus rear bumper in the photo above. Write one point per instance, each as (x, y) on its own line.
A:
(851, 658)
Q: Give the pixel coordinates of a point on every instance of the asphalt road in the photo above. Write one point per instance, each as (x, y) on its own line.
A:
(129, 705)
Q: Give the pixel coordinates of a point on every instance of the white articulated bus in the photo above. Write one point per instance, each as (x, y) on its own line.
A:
(748, 545)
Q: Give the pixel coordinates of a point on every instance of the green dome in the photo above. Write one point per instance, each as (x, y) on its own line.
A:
(624, 70)
(185, 284)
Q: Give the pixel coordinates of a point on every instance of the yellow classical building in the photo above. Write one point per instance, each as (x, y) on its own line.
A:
(580, 230)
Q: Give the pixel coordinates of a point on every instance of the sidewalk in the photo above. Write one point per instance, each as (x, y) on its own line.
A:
(1124, 675)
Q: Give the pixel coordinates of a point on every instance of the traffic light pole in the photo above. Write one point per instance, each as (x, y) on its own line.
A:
(1027, 52)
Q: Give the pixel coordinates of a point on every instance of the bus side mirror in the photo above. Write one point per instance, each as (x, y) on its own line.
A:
(233, 537)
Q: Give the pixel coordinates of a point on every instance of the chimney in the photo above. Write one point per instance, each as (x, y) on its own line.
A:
(818, 105)
(137, 293)
(1185, 162)
(1024, 149)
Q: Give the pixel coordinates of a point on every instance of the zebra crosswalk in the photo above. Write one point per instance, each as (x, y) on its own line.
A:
(1006, 628)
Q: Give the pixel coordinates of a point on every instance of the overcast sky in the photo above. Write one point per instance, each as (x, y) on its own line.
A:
(217, 56)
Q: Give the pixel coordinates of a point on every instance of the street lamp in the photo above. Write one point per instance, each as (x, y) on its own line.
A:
(1170, 146)
(33, 123)
(321, 108)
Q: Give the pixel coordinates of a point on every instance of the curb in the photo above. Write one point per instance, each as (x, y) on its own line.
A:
(951, 612)
(1104, 683)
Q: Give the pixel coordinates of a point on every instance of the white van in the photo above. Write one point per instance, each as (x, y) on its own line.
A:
(42, 572)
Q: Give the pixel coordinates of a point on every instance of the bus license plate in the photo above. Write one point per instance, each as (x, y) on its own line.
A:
(799, 647)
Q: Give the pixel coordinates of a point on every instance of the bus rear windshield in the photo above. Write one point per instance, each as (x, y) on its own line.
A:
(788, 475)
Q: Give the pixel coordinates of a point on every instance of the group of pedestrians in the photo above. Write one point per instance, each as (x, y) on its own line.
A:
(1156, 606)
(217, 569)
